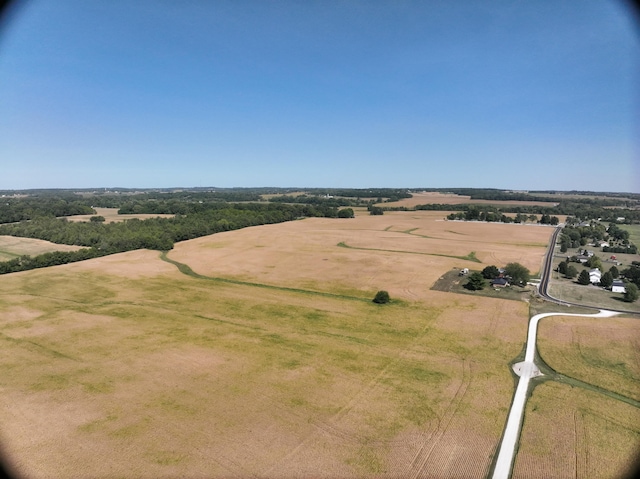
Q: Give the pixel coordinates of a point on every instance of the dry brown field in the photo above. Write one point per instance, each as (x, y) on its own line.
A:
(426, 198)
(273, 364)
(572, 432)
(12, 247)
(603, 352)
(111, 215)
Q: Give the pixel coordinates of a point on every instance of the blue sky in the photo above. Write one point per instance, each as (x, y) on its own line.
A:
(507, 94)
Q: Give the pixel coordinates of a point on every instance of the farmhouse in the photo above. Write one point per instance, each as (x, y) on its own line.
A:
(582, 258)
(595, 275)
(499, 282)
(618, 286)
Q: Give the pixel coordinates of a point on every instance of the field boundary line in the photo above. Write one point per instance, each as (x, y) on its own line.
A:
(186, 269)
(470, 257)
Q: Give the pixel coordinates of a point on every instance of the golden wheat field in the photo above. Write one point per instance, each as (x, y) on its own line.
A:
(267, 358)
(574, 432)
(111, 215)
(426, 198)
(13, 247)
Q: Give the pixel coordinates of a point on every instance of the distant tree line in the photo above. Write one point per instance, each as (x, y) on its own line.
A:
(492, 214)
(572, 208)
(18, 209)
(155, 233)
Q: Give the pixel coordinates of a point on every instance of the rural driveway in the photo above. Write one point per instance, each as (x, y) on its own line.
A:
(526, 370)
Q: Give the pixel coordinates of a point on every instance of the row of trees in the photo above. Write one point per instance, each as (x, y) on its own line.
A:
(493, 214)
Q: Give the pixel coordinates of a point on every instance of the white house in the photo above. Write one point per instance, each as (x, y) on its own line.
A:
(595, 275)
(618, 286)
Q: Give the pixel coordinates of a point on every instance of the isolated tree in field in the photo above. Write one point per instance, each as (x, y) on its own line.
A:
(571, 272)
(583, 278)
(490, 272)
(381, 297)
(376, 210)
(606, 280)
(631, 293)
(346, 213)
(614, 272)
(518, 273)
(476, 282)
(562, 267)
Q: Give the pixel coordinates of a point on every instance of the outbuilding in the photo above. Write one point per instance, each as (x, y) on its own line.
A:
(618, 286)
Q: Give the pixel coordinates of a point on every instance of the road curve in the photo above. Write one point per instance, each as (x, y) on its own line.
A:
(526, 370)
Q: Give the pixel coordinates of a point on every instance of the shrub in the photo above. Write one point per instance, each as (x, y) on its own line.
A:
(476, 282)
(382, 297)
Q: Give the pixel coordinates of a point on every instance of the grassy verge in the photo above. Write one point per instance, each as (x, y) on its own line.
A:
(186, 269)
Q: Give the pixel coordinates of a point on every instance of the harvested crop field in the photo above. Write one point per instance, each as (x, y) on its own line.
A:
(111, 215)
(402, 252)
(13, 247)
(605, 353)
(267, 357)
(428, 198)
(573, 432)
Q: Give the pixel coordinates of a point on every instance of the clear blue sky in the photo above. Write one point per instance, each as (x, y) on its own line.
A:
(508, 94)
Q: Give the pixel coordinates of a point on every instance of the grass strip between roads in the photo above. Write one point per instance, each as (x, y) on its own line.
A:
(470, 257)
(185, 269)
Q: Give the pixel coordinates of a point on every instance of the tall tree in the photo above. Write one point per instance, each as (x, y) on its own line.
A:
(476, 282)
(490, 272)
(571, 272)
(518, 273)
(606, 280)
(631, 293)
(583, 278)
